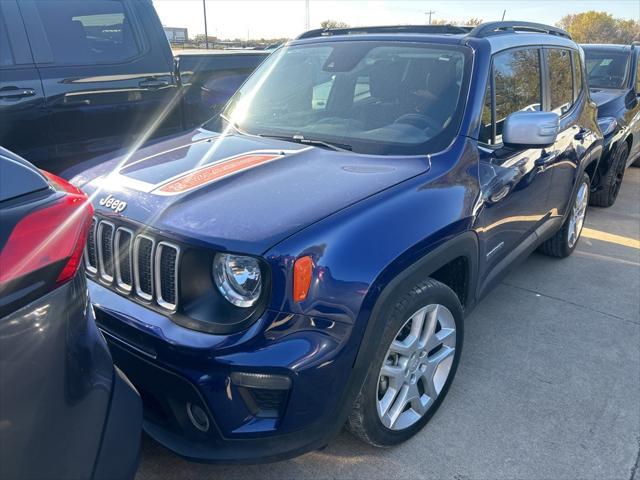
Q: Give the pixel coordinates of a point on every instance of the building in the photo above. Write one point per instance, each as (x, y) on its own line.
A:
(176, 34)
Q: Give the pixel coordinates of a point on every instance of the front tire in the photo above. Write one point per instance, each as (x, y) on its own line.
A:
(565, 240)
(609, 187)
(413, 367)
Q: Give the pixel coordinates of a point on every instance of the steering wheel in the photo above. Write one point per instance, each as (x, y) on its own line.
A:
(419, 121)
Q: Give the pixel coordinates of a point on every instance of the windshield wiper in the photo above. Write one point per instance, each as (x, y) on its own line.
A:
(338, 147)
(235, 126)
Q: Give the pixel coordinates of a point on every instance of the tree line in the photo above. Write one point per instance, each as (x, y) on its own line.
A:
(586, 27)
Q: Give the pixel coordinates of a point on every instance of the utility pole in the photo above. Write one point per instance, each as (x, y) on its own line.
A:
(206, 33)
(307, 22)
(430, 12)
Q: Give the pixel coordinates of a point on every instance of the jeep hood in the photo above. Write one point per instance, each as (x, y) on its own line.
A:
(609, 101)
(236, 192)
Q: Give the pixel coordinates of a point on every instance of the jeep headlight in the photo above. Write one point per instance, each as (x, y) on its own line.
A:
(238, 278)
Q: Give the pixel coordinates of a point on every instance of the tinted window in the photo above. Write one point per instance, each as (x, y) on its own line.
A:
(372, 97)
(577, 74)
(606, 68)
(561, 80)
(638, 73)
(363, 89)
(6, 57)
(517, 84)
(80, 32)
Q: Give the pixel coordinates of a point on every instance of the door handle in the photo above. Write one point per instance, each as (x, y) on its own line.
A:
(11, 93)
(546, 158)
(582, 133)
(153, 83)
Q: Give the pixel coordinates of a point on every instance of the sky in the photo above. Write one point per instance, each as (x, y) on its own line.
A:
(286, 18)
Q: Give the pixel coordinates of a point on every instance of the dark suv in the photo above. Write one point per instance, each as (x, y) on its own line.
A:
(613, 75)
(308, 259)
(65, 411)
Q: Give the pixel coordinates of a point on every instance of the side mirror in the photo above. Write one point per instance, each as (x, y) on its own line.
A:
(530, 129)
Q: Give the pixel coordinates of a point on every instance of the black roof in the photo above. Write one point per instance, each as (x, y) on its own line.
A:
(481, 31)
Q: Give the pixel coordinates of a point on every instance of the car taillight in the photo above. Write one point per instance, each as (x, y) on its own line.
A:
(55, 233)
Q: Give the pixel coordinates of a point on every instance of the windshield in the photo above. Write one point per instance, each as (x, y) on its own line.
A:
(606, 68)
(364, 96)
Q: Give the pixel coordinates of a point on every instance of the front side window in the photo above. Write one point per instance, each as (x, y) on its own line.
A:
(606, 68)
(560, 79)
(81, 32)
(517, 86)
(368, 96)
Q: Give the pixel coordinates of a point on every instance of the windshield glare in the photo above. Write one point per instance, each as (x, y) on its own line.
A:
(606, 68)
(374, 97)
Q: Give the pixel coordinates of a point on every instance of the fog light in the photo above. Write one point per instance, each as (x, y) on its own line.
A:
(198, 417)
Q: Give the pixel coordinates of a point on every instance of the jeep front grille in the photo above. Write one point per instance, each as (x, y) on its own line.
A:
(166, 274)
(90, 253)
(143, 266)
(134, 264)
(105, 250)
(123, 243)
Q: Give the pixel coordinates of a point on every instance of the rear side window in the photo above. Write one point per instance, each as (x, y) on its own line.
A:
(561, 84)
(88, 32)
(6, 57)
(516, 87)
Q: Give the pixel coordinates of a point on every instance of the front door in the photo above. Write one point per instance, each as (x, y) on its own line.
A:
(515, 183)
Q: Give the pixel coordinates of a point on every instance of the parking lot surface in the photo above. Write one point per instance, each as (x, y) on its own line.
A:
(548, 385)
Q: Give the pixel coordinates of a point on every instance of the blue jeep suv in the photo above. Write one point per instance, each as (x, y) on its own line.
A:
(307, 259)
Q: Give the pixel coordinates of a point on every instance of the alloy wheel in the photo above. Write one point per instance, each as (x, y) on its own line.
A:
(619, 175)
(578, 212)
(416, 367)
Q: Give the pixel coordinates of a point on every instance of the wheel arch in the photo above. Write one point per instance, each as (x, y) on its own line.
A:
(463, 246)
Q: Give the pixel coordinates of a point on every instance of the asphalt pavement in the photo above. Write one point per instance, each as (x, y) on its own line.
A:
(548, 386)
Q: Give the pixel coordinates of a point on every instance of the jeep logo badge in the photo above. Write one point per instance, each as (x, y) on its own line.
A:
(113, 203)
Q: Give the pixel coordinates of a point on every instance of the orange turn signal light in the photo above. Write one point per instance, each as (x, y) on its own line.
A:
(302, 271)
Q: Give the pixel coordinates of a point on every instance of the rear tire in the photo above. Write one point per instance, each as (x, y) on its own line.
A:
(610, 184)
(413, 367)
(565, 240)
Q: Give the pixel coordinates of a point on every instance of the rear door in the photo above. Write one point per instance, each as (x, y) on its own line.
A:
(23, 115)
(107, 73)
(566, 97)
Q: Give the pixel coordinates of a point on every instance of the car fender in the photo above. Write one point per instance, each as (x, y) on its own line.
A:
(359, 249)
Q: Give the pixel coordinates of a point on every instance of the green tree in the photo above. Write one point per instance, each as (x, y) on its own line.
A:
(600, 27)
(333, 24)
(472, 22)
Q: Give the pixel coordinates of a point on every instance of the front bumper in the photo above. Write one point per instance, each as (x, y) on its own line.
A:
(197, 400)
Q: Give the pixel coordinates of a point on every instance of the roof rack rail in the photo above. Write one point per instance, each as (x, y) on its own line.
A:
(434, 29)
(495, 28)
